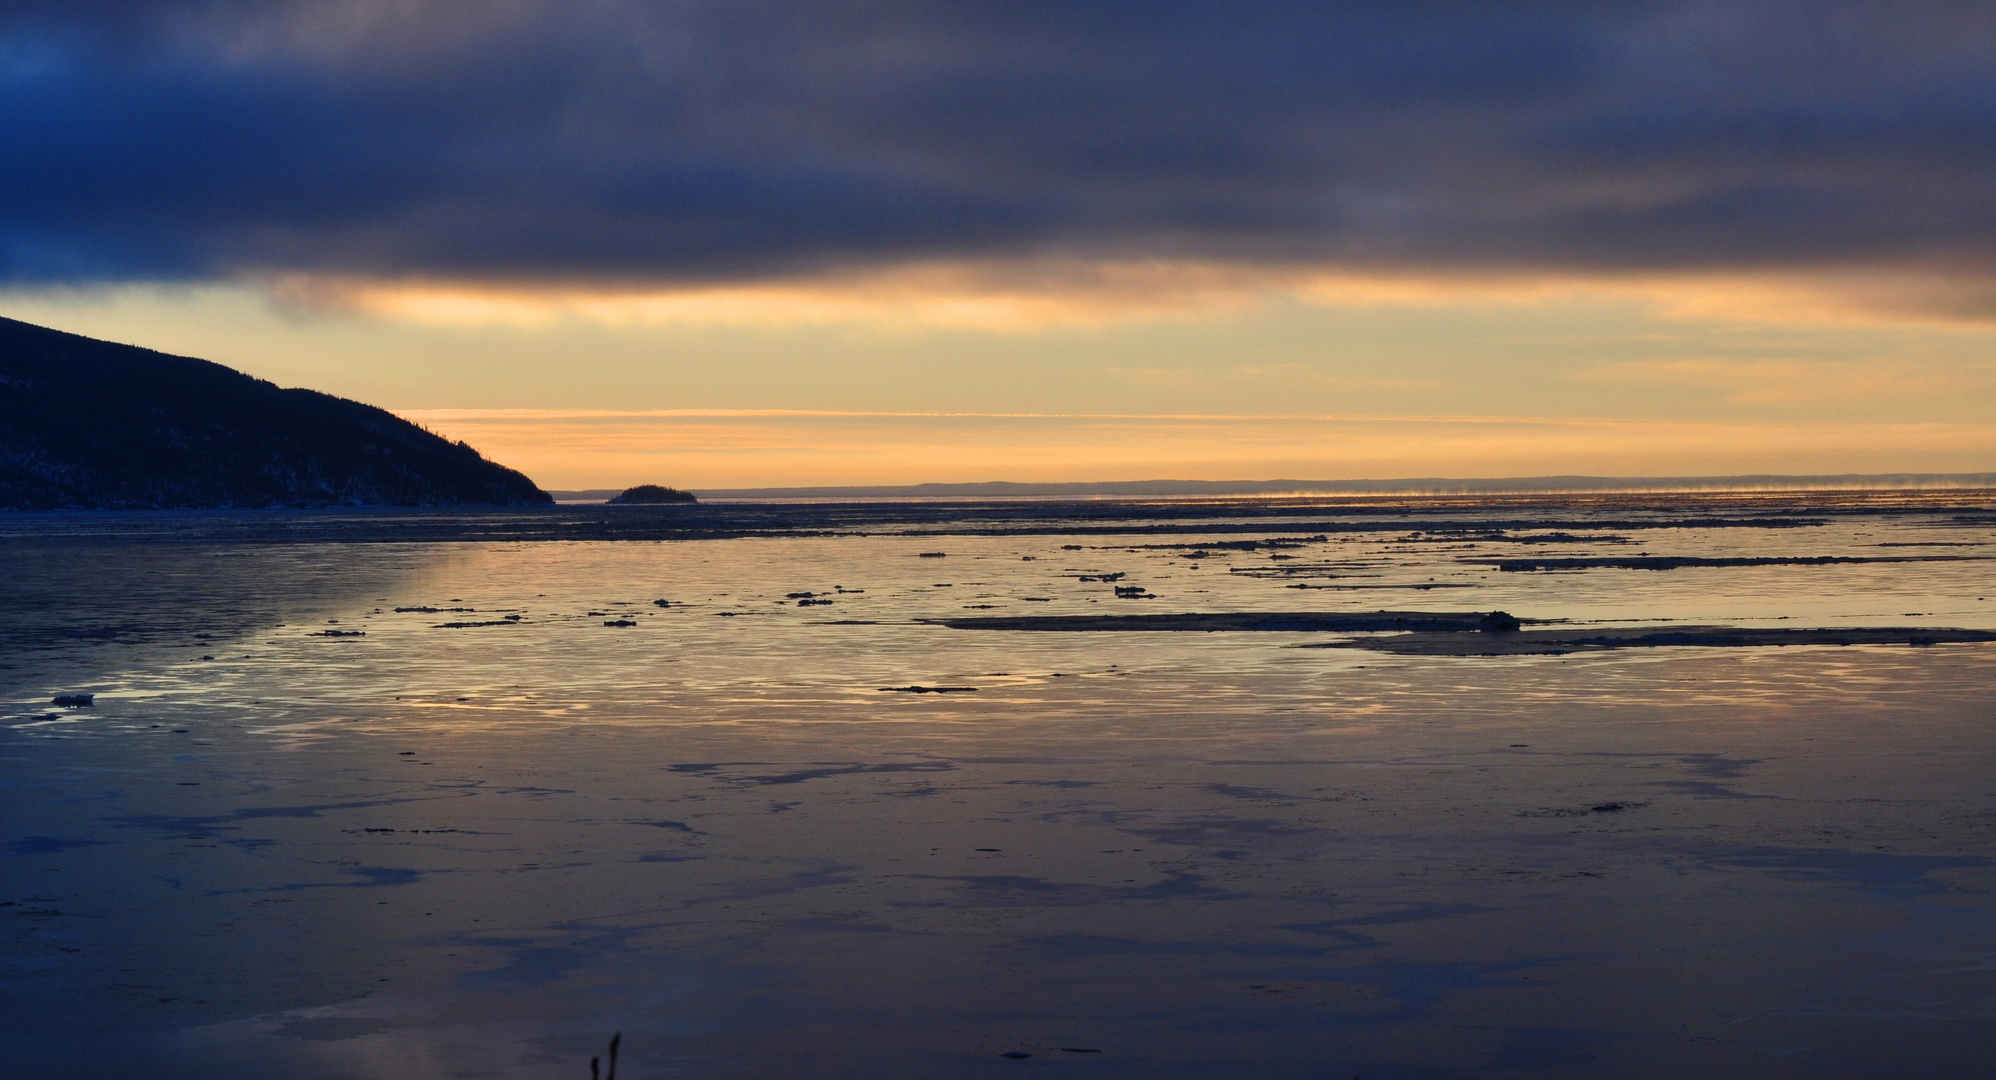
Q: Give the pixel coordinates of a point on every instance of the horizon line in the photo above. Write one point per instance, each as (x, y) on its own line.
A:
(1514, 485)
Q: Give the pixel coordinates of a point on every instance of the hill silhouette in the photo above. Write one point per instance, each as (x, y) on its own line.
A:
(88, 424)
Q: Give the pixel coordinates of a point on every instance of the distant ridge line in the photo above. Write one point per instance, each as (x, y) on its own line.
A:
(1517, 485)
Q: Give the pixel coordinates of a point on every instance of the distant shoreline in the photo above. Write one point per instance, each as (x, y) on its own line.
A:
(1526, 485)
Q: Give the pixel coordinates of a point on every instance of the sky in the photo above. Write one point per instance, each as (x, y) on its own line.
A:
(738, 244)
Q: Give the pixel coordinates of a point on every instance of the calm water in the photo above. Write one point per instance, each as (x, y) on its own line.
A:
(304, 833)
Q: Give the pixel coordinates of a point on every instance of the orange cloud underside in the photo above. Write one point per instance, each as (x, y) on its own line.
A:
(1031, 295)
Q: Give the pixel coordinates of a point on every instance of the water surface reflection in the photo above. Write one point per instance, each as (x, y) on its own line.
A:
(438, 849)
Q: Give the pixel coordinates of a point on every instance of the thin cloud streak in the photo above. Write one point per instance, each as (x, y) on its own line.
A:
(1033, 298)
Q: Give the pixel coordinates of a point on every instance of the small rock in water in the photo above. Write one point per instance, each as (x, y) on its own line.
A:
(339, 633)
(75, 701)
(620, 622)
(928, 689)
(933, 555)
(1498, 622)
(661, 603)
(1015, 1055)
(650, 495)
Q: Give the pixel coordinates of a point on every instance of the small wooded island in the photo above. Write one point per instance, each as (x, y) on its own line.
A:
(645, 494)
(92, 425)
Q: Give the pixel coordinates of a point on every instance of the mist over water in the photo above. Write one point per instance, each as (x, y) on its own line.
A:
(388, 794)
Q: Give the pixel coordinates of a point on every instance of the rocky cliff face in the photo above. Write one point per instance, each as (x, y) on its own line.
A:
(87, 424)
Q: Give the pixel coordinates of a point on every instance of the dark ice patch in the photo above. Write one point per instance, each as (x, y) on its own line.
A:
(820, 773)
(1705, 789)
(1605, 807)
(1237, 791)
(1265, 621)
(385, 875)
(1675, 562)
(677, 826)
(1900, 875)
(47, 845)
(178, 824)
(1563, 642)
(1719, 766)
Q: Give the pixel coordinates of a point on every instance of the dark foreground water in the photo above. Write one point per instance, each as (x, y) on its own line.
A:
(385, 795)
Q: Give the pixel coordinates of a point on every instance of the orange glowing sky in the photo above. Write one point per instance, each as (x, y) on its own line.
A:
(1176, 376)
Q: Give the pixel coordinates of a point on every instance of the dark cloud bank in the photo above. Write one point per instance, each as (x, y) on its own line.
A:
(656, 142)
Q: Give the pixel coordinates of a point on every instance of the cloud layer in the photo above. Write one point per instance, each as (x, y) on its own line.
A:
(622, 143)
